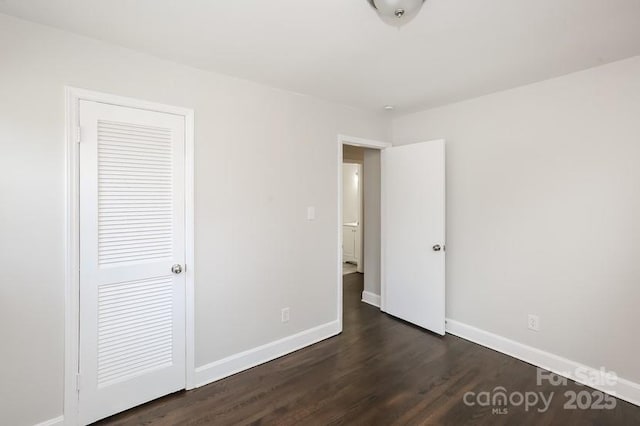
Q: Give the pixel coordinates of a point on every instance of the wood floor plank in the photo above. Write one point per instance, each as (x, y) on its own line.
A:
(379, 371)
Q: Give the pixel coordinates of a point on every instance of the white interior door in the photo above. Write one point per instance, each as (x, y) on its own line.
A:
(132, 233)
(413, 229)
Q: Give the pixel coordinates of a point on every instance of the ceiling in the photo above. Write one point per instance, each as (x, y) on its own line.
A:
(339, 49)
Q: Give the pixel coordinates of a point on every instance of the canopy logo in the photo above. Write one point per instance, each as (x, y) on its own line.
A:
(500, 400)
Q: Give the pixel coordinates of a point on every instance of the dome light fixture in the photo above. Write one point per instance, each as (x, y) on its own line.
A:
(397, 12)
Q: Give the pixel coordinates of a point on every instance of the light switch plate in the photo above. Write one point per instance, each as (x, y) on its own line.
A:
(286, 314)
(311, 213)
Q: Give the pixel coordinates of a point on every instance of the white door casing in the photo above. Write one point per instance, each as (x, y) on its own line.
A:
(132, 231)
(413, 229)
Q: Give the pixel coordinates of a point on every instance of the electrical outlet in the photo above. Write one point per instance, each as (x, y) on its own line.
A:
(285, 314)
(533, 322)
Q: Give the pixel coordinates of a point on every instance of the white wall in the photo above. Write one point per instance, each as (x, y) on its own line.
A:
(543, 208)
(350, 193)
(372, 187)
(255, 250)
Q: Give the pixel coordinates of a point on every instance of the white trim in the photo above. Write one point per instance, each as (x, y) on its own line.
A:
(190, 241)
(72, 259)
(371, 298)
(51, 422)
(363, 143)
(359, 248)
(624, 389)
(107, 98)
(250, 358)
(73, 96)
(383, 238)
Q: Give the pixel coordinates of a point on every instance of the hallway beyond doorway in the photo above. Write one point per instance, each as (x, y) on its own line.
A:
(349, 268)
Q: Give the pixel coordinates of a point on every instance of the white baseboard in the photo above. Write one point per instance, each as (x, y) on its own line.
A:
(244, 360)
(624, 389)
(371, 298)
(51, 422)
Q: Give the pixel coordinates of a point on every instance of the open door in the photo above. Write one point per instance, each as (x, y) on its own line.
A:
(413, 232)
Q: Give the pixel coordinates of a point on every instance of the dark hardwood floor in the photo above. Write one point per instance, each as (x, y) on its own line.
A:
(379, 371)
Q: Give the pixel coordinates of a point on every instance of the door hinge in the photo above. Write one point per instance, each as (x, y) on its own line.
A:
(77, 382)
(78, 134)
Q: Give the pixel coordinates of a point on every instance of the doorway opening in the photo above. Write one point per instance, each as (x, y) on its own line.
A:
(359, 233)
(352, 210)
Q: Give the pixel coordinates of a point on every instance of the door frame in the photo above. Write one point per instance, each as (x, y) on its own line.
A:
(363, 143)
(73, 96)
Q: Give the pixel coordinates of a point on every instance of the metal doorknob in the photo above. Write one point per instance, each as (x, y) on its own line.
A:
(176, 269)
(437, 247)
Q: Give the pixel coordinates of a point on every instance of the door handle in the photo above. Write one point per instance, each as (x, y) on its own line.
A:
(176, 269)
(437, 247)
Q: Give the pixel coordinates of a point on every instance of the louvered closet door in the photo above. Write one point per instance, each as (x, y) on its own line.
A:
(132, 230)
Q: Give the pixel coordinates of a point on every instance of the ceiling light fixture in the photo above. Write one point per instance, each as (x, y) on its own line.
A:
(397, 12)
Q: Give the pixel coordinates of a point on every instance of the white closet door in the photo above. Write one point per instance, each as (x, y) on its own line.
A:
(132, 233)
(413, 226)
